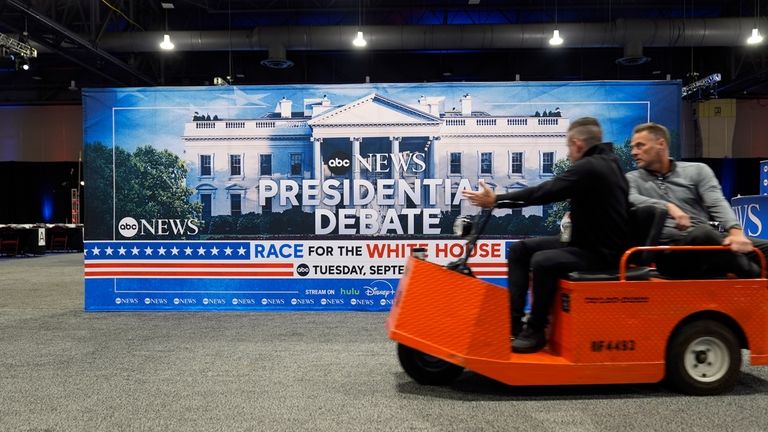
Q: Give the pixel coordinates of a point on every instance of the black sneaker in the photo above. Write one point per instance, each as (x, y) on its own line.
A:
(529, 341)
(517, 327)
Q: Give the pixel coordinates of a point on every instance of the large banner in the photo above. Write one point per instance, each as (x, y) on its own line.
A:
(311, 197)
(752, 211)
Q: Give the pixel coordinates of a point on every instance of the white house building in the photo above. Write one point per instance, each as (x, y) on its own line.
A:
(370, 139)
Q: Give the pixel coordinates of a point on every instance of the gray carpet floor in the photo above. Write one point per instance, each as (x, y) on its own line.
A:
(62, 369)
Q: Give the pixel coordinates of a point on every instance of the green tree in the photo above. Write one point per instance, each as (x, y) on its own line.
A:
(148, 184)
(250, 223)
(558, 209)
(155, 187)
(624, 153)
(97, 192)
(223, 225)
(447, 219)
(293, 221)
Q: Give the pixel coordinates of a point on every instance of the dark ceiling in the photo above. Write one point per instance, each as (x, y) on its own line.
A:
(106, 43)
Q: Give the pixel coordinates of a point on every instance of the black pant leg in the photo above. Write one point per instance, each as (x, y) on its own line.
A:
(548, 267)
(760, 244)
(687, 265)
(519, 267)
(697, 265)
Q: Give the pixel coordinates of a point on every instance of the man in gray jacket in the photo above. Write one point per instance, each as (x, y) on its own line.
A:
(692, 196)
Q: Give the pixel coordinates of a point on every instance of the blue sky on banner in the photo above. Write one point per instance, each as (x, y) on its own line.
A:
(156, 115)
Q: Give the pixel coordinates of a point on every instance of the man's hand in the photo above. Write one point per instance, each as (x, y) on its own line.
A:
(738, 241)
(682, 220)
(484, 197)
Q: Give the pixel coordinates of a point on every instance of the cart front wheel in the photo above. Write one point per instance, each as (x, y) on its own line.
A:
(703, 358)
(426, 369)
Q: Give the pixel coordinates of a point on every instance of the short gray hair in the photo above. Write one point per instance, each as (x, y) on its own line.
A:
(655, 129)
(586, 129)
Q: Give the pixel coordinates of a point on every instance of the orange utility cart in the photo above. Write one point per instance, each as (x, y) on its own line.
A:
(603, 332)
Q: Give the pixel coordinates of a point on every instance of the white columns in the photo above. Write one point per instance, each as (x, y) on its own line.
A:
(355, 152)
(433, 170)
(355, 162)
(317, 159)
(432, 151)
(395, 141)
(317, 163)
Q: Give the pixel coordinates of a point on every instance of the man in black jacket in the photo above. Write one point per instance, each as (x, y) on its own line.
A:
(597, 190)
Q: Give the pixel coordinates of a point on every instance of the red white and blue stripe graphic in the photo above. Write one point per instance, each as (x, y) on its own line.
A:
(488, 269)
(182, 259)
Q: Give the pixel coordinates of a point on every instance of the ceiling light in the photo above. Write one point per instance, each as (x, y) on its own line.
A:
(359, 40)
(756, 37)
(166, 44)
(556, 39)
(22, 63)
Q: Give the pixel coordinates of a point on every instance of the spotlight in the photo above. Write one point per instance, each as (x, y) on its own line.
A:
(556, 39)
(359, 40)
(22, 63)
(756, 37)
(166, 44)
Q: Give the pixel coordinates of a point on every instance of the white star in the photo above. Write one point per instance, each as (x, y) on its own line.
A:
(161, 251)
(201, 251)
(214, 251)
(96, 250)
(174, 250)
(135, 251)
(241, 251)
(228, 251)
(188, 251)
(108, 250)
(148, 251)
(121, 251)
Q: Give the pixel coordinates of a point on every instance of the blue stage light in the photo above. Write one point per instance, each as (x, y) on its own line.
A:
(728, 174)
(47, 208)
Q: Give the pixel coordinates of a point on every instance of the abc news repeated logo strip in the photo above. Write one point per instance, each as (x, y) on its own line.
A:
(328, 295)
(221, 303)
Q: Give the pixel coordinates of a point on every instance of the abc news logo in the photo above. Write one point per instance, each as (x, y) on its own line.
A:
(129, 227)
(361, 302)
(339, 162)
(302, 270)
(120, 300)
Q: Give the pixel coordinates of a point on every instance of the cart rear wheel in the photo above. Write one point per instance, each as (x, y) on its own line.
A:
(426, 369)
(703, 358)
